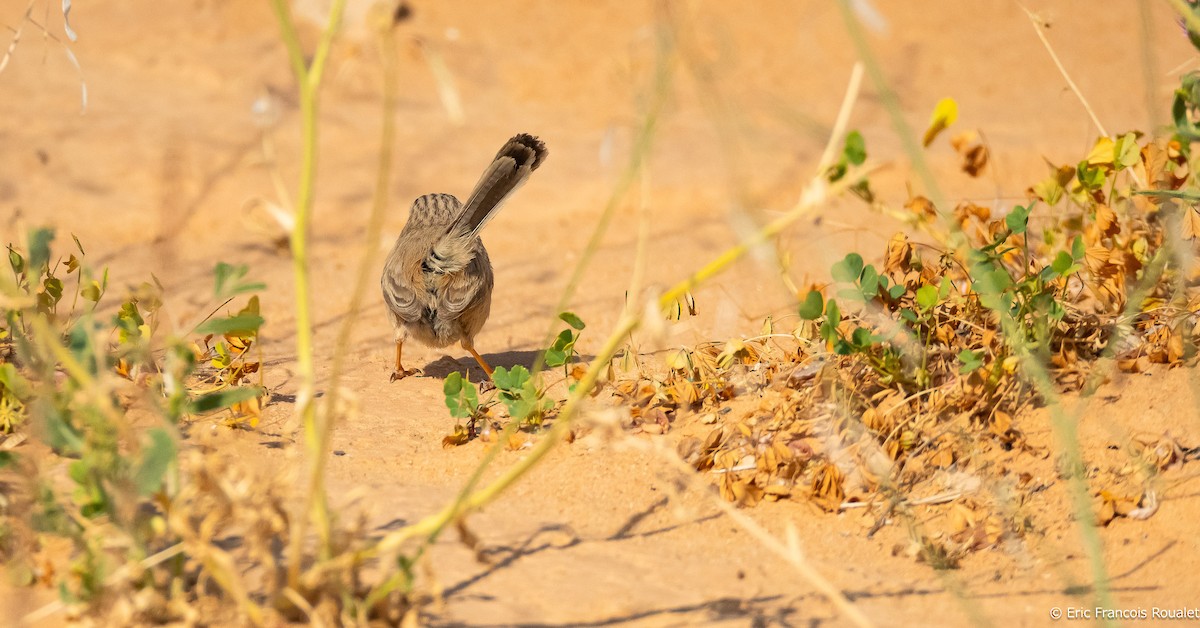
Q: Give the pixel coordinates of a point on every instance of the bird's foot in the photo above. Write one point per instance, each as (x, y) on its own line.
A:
(401, 374)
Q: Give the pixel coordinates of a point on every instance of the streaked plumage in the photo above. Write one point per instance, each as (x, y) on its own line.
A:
(437, 281)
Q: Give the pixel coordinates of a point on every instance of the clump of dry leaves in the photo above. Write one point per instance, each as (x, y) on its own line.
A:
(905, 380)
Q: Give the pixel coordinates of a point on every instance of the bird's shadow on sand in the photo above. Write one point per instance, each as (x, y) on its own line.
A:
(445, 365)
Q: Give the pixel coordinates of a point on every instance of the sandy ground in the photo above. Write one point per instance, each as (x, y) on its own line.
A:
(161, 171)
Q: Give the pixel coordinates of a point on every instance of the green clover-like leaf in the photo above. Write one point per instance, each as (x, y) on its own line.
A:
(813, 305)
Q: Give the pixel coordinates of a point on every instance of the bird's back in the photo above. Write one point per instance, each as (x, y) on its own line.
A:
(433, 283)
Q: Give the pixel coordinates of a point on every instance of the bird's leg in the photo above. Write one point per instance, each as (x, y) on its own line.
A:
(483, 363)
(400, 372)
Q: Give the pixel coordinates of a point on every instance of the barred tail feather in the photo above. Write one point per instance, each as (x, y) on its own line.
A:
(519, 157)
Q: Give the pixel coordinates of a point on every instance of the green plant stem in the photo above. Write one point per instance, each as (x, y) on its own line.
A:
(308, 79)
(291, 38)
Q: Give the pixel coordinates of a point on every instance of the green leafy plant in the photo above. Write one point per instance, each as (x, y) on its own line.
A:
(563, 348)
(1185, 110)
(860, 284)
(518, 391)
(226, 348)
(462, 398)
(37, 290)
(1028, 301)
(62, 367)
(854, 153)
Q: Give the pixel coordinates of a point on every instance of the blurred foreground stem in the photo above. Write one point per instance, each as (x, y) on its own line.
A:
(308, 79)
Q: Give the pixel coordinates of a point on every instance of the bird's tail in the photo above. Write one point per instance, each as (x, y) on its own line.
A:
(519, 157)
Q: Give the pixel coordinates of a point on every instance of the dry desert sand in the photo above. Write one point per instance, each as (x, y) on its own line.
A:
(163, 171)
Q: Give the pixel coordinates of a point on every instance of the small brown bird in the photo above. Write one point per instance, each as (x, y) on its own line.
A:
(437, 281)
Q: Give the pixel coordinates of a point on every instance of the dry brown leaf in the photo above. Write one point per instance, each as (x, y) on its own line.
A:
(1114, 505)
(961, 517)
(875, 420)
(1140, 364)
(922, 207)
(683, 393)
(975, 159)
(1191, 223)
(972, 150)
(1105, 512)
(1159, 451)
(578, 371)
(828, 491)
(1154, 161)
(517, 441)
(943, 456)
(893, 449)
(1001, 423)
(1095, 258)
(899, 253)
(776, 492)
(1111, 291)
(627, 387)
(714, 440)
(249, 410)
(1106, 221)
(746, 494)
(456, 438)
(964, 140)
(726, 459)
(966, 211)
(782, 452)
(1175, 347)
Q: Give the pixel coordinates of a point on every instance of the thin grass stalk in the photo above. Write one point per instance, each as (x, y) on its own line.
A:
(891, 103)
(1041, 33)
(725, 118)
(291, 38)
(379, 204)
(308, 79)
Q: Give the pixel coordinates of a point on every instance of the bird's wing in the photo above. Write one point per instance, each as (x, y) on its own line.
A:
(460, 291)
(399, 295)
